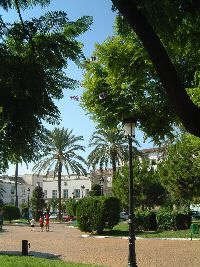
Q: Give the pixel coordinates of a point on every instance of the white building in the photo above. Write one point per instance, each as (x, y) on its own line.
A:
(72, 186)
(7, 183)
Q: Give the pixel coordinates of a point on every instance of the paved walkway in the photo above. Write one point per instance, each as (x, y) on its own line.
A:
(66, 243)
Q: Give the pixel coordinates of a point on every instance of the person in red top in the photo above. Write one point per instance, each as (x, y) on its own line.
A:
(41, 222)
(47, 222)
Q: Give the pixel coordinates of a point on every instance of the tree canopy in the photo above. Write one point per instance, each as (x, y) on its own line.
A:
(148, 191)
(169, 32)
(179, 171)
(123, 72)
(33, 57)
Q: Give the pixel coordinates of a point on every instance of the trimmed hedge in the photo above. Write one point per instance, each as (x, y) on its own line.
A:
(162, 219)
(71, 205)
(97, 213)
(11, 212)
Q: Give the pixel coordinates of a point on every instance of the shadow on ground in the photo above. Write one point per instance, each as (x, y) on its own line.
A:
(33, 254)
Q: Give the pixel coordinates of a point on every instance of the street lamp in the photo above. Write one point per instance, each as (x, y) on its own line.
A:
(101, 184)
(129, 129)
(82, 189)
(28, 191)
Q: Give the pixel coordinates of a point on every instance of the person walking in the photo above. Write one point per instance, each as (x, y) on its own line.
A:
(32, 223)
(41, 223)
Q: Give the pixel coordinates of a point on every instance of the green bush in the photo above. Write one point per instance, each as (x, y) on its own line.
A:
(145, 220)
(165, 219)
(168, 219)
(111, 211)
(11, 213)
(182, 220)
(71, 205)
(97, 213)
(90, 214)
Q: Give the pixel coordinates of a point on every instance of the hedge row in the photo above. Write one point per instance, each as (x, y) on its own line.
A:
(94, 214)
(162, 219)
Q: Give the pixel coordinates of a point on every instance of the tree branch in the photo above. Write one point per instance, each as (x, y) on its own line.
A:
(185, 109)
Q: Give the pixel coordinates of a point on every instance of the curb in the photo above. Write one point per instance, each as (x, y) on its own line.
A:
(138, 238)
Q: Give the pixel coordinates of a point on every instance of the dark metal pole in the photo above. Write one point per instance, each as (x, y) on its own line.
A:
(16, 177)
(28, 205)
(132, 254)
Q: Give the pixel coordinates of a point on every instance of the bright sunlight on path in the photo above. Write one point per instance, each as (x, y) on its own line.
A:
(66, 243)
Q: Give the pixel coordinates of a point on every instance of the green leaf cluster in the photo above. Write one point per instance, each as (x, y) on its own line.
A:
(179, 172)
(33, 57)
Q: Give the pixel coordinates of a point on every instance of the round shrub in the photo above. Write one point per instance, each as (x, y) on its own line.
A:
(11, 213)
(97, 213)
(165, 219)
(145, 220)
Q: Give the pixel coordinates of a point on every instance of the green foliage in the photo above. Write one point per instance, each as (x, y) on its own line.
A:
(148, 191)
(11, 213)
(71, 205)
(110, 148)
(168, 219)
(145, 220)
(179, 172)
(131, 86)
(164, 218)
(37, 202)
(96, 213)
(33, 57)
(90, 214)
(95, 190)
(111, 211)
(61, 145)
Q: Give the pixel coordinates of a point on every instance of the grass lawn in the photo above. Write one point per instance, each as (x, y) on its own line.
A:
(122, 230)
(21, 261)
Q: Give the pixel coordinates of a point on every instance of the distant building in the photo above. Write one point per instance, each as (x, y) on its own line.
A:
(7, 183)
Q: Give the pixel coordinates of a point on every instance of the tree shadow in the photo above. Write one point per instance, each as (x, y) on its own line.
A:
(31, 253)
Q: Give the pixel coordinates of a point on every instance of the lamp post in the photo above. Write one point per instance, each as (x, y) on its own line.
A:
(82, 190)
(28, 191)
(129, 127)
(101, 184)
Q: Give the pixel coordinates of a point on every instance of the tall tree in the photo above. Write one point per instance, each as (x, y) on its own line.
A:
(180, 171)
(61, 149)
(37, 202)
(158, 24)
(148, 190)
(33, 56)
(122, 81)
(110, 148)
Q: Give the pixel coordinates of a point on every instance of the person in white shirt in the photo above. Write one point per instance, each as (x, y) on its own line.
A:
(32, 222)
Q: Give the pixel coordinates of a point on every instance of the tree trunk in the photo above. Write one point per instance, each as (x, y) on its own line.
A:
(114, 167)
(16, 178)
(188, 113)
(59, 191)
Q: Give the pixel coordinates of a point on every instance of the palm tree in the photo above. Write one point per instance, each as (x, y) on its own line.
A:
(111, 148)
(60, 148)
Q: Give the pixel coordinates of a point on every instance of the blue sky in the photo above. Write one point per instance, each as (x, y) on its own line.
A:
(72, 116)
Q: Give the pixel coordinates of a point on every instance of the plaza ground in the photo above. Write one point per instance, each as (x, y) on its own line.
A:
(67, 244)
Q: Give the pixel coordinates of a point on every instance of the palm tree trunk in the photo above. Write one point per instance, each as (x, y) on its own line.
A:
(16, 176)
(114, 167)
(59, 191)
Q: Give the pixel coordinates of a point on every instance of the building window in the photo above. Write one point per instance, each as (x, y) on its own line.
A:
(65, 193)
(54, 193)
(45, 193)
(77, 193)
